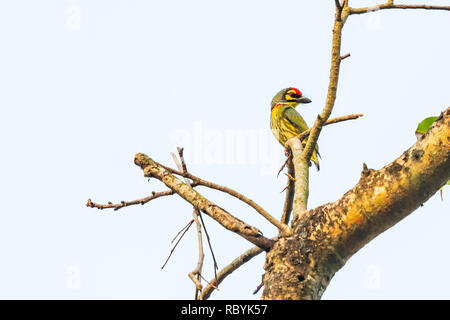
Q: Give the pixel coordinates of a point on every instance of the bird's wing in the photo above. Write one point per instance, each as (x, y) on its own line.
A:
(295, 119)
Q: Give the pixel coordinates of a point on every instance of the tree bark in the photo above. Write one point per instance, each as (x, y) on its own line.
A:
(301, 266)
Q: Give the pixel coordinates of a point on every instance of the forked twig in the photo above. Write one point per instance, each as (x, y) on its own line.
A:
(186, 226)
(194, 275)
(176, 244)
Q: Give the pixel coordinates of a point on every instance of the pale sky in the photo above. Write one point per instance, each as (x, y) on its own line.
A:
(88, 84)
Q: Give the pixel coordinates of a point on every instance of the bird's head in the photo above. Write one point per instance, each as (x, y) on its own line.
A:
(290, 96)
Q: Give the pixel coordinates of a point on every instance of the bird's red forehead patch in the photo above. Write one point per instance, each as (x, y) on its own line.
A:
(297, 91)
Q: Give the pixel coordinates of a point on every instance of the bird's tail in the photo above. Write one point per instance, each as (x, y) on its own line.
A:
(314, 158)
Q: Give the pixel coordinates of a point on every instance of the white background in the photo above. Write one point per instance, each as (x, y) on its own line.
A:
(85, 85)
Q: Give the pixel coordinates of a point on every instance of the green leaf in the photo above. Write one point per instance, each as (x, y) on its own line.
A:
(423, 127)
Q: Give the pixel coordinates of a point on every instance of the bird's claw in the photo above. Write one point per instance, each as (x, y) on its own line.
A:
(289, 156)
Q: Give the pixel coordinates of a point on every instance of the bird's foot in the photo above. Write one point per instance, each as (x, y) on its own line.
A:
(291, 180)
(289, 156)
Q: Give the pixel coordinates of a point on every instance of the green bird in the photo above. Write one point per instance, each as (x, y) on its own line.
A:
(285, 121)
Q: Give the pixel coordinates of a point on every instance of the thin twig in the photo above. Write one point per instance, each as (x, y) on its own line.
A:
(333, 83)
(215, 267)
(235, 264)
(391, 5)
(174, 247)
(195, 274)
(183, 163)
(186, 226)
(302, 156)
(305, 133)
(209, 283)
(338, 9)
(345, 56)
(198, 269)
(338, 4)
(289, 200)
(258, 288)
(122, 204)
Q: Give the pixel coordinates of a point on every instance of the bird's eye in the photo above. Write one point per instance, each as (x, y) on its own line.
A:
(293, 94)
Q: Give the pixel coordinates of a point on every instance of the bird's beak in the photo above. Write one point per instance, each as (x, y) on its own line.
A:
(304, 100)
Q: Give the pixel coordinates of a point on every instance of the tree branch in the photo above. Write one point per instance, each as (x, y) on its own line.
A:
(333, 83)
(301, 183)
(289, 200)
(198, 181)
(326, 237)
(215, 267)
(195, 274)
(154, 169)
(122, 204)
(225, 272)
(306, 133)
(182, 232)
(391, 5)
(338, 9)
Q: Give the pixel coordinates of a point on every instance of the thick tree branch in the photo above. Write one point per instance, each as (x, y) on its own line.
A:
(326, 237)
(300, 168)
(301, 183)
(154, 169)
